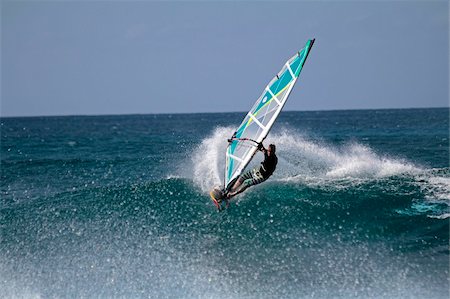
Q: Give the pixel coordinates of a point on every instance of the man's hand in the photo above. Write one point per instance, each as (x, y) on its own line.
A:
(260, 146)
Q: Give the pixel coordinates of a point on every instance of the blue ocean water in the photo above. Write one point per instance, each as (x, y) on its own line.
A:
(118, 206)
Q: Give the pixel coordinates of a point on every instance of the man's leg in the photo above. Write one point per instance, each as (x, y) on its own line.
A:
(237, 184)
(240, 180)
(240, 190)
(249, 179)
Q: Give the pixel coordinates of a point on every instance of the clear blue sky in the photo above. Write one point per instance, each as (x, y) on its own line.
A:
(101, 57)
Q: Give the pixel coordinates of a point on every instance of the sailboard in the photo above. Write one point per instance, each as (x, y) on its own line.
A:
(256, 125)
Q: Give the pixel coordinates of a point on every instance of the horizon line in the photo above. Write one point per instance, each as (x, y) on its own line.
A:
(184, 113)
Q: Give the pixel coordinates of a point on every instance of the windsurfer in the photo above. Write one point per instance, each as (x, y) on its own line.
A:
(256, 175)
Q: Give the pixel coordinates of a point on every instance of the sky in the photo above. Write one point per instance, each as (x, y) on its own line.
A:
(116, 57)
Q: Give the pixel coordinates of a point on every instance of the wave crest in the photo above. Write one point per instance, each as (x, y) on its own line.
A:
(318, 164)
(307, 158)
(299, 159)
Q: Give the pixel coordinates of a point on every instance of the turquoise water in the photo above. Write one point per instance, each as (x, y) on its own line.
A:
(118, 206)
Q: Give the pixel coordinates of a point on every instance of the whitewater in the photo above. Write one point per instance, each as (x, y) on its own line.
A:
(315, 163)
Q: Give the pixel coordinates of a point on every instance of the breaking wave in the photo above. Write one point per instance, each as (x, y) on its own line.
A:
(303, 160)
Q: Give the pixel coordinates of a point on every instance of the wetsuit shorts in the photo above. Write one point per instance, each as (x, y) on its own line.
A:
(252, 177)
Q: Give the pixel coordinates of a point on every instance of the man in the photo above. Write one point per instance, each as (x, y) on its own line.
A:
(258, 174)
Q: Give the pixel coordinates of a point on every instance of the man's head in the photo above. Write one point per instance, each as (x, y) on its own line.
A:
(271, 150)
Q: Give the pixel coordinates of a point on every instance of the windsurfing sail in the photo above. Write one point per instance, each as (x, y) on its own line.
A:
(259, 120)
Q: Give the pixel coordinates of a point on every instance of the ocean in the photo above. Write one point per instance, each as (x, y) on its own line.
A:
(118, 207)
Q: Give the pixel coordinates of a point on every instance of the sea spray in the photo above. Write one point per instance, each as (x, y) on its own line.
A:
(300, 156)
(316, 158)
(209, 159)
(317, 163)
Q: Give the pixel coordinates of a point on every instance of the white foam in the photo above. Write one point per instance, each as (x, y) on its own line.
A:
(209, 159)
(315, 159)
(443, 216)
(439, 187)
(300, 159)
(314, 162)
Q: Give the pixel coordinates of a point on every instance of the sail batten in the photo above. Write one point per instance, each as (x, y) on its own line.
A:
(259, 120)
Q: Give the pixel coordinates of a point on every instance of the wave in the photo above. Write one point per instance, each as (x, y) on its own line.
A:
(315, 163)
(301, 158)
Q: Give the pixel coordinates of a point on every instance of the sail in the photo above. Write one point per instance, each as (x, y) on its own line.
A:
(259, 120)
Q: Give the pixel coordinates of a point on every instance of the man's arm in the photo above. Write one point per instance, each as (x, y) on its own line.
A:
(261, 147)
